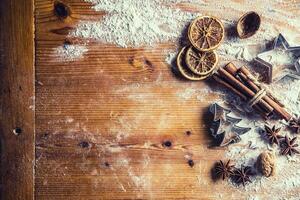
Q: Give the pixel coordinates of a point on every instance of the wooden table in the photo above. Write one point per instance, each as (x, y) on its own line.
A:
(113, 125)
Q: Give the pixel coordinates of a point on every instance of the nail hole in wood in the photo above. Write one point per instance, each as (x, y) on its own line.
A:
(191, 163)
(61, 10)
(67, 42)
(148, 63)
(107, 164)
(131, 60)
(17, 131)
(84, 144)
(167, 144)
(45, 135)
(188, 133)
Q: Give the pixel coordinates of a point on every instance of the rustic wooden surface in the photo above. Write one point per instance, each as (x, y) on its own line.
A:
(102, 121)
(17, 99)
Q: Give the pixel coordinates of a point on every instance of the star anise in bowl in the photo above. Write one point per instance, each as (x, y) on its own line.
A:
(242, 175)
(294, 124)
(223, 170)
(288, 146)
(272, 134)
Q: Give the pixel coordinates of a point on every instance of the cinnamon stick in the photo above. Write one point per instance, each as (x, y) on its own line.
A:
(243, 89)
(221, 81)
(242, 96)
(279, 110)
(245, 74)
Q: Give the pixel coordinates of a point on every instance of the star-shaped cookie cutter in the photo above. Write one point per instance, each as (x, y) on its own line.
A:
(293, 70)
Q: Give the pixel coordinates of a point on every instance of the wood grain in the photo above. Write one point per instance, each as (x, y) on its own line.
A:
(17, 99)
(103, 121)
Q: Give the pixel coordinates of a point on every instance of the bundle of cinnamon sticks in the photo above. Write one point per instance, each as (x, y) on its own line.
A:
(242, 82)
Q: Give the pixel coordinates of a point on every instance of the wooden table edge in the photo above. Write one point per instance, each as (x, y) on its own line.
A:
(17, 90)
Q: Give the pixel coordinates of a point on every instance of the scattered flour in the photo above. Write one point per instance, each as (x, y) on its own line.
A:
(279, 57)
(69, 120)
(253, 143)
(246, 49)
(70, 52)
(187, 94)
(135, 23)
(171, 56)
(288, 90)
(123, 162)
(253, 198)
(199, 94)
(140, 181)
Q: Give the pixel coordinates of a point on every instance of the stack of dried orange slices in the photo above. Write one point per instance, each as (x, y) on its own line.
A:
(198, 61)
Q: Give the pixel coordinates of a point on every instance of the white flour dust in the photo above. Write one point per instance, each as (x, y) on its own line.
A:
(135, 23)
(253, 143)
(199, 94)
(279, 57)
(171, 56)
(70, 52)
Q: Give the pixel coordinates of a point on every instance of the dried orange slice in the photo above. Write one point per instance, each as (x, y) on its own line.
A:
(184, 70)
(200, 62)
(206, 33)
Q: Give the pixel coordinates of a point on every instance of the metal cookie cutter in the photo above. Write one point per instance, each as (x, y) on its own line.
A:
(278, 71)
(224, 127)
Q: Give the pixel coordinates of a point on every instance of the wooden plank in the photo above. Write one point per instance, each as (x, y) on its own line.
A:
(17, 99)
(102, 122)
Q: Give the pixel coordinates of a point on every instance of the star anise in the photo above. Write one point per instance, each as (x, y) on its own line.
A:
(272, 134)
(294, 124)
(288, 146)
(224, 170)
(242, 176)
